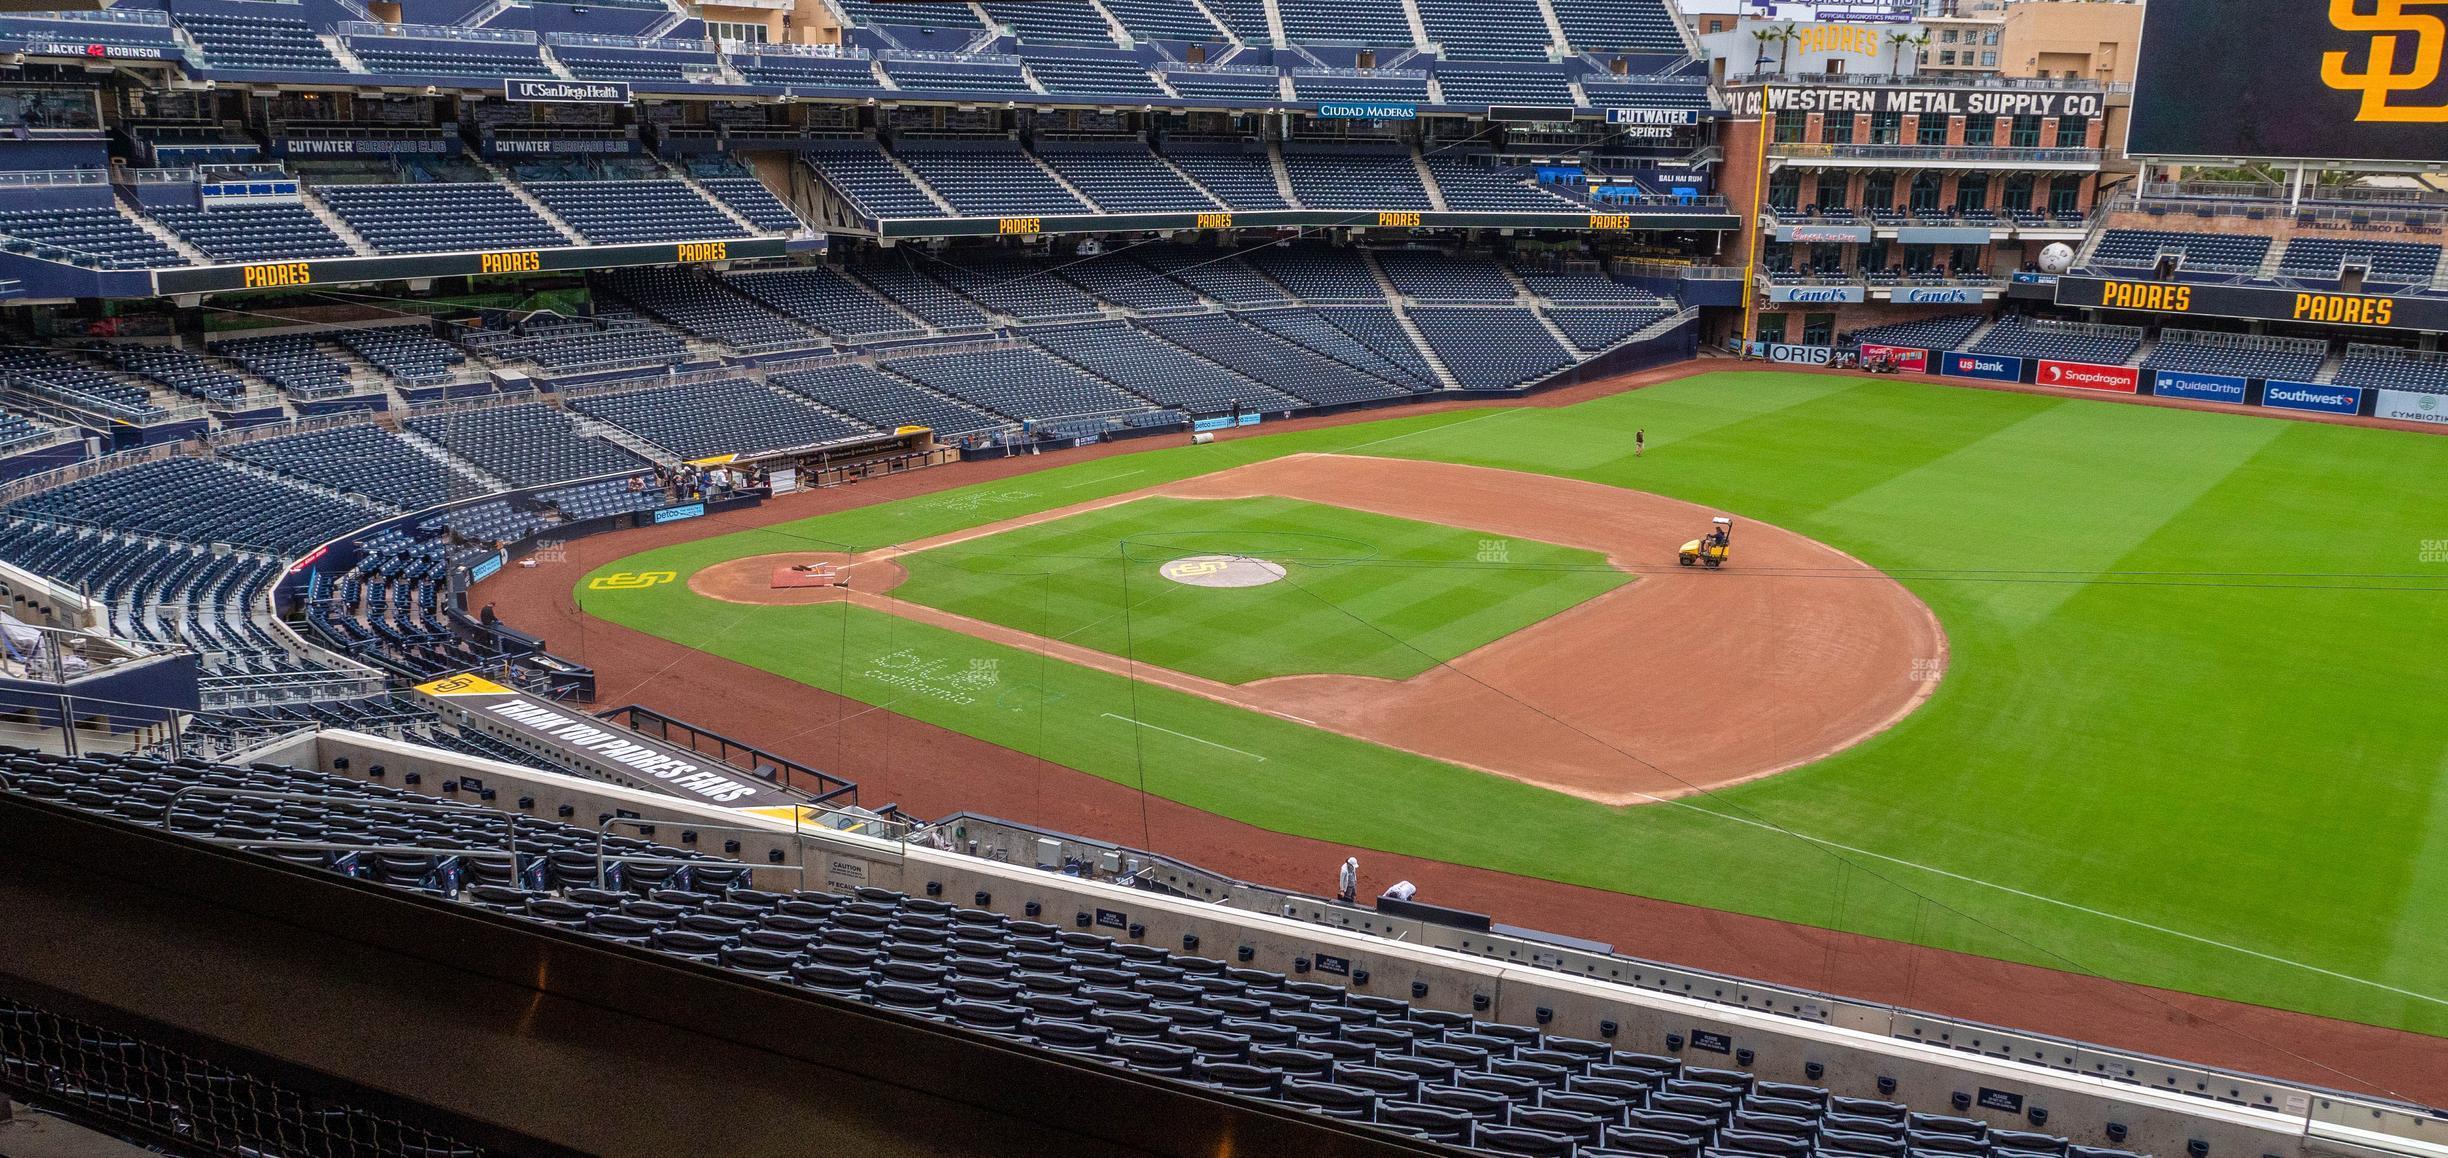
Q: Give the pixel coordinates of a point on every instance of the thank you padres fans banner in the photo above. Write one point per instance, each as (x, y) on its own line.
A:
(2292, 79)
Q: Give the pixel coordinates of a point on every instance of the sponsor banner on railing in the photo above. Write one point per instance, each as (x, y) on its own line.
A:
(2087, 376)
(2411, 406)
(2198, 387)
(683, 511)
(1989, 367)
(100, 51)
(1906, 358)
(2279, 394)
(1942, 235)
(1817, 294)
(1925, 295)
(1825, 234)
(485, 568)
(1366, 111)
(566, 92)
(1621, 116)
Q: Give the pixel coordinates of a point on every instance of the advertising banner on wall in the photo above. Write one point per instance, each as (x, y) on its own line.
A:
(2279, 394)
(2086, 376)
(2411, 406)
(1825, 234)
(1989, 367)
(1817, 294)
(1792, 355)
(1937, 295)
(2198, 387)
(1906, 358)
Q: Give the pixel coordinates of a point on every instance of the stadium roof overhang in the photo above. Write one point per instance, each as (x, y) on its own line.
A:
(1632, 220)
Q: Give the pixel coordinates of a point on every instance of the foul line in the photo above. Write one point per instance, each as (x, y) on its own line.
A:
(1183, 735)
(1089, 482)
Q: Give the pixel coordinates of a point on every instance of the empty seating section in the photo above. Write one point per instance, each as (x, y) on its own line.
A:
(1362, 181)
(1026, 290)
(67, 28)
(989, 178)
(1217, 273)
(178, 369)
(1471, 183)
(2392, 262)
(891, 276)
(1246, 18)
(1082, 76)
(1431, 1074)
(609, 497)
(912, 14)
(1433, 277)
(2393, 369)
(440, 217)
(1256, 87)
(1642, 26)
(2216, 252)
(2021, 337)
(886, 402)
(471, 59)
(820, 297)
(525, 445)
(826, 299)
(629, 211)
(591, 63)
(702, 306)
(1318, 273)
(166, 593)
(1311, 329)
(1595, 328)
(1177, 20)
(289, 361)
(1581, 286)
(1121, 352)
(1243, 180)
(1291, 368)
(1486, 29)
(928, 76)
(75, 384)
(18, 430)
(97, 237)
(408, 354)
(1507, 87)
(2295, 360)
(580, 346)
(1126, 179)
(200, 502)
(1124, 282)
(1021, 384)
(1377, 328)
(1331, 22)
(259, 43)
(1926, 334)
(1492, 348)
(861, 172)
(253, 232)
(1347, 85)
(727, 416)
(1051, 21)
(815, 72)
(749, 198)
(364, 460)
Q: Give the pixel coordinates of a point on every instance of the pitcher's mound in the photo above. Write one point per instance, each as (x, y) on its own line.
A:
(795, 578)
(1222, 571)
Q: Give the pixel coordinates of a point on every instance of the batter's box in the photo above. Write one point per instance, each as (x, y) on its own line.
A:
(807, 575)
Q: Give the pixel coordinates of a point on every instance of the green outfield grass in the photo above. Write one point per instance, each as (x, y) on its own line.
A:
(1362, 594)
(2188, 738)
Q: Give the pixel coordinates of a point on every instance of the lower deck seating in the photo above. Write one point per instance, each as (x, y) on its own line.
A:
(1492, 349)
(526, 445)
(729, 416)
(95, 238)
(1159, 370)
(2021, 337)
(364, 460)
(1287, 366)
(439, 217)
(1024, 385)
(1927, 334)
(886, 401)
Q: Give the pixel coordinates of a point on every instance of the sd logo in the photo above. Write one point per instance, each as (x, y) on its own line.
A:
(631, 580)
(2379, 81)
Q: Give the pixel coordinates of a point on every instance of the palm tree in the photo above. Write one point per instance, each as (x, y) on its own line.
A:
(1787, 36)
(1766, 37)
(1900, 41)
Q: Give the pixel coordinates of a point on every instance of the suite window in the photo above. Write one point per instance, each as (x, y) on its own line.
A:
(1790, 125)
(1933, 130)
(1886, 128)
(2026, 132)
(1980, 131)
(2073, 132)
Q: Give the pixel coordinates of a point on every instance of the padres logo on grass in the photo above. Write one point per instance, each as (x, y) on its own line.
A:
(1222, 571)
(631, 580)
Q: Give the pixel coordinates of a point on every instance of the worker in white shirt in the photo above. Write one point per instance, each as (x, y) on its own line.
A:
(1401, 891)
(1347, 882)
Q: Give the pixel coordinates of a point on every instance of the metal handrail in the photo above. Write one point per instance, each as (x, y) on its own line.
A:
(1921, 80)
(2015, 153)
(351, 28)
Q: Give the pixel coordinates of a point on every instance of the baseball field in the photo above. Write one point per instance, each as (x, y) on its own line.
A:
(2128, 691)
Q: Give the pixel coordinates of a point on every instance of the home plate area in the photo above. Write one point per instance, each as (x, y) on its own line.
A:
(1222, 571)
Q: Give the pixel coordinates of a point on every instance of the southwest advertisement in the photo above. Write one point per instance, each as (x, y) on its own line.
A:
(2277, 394)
